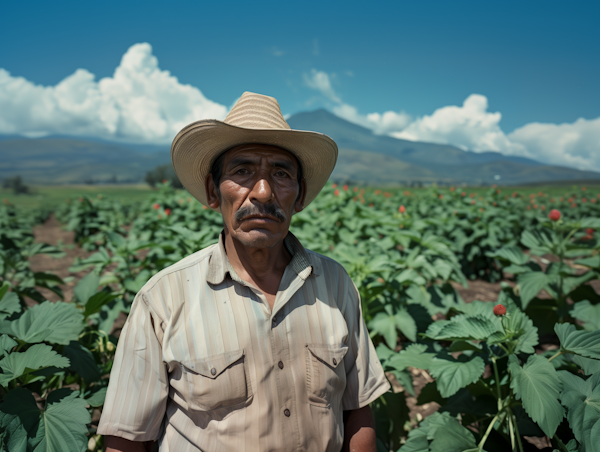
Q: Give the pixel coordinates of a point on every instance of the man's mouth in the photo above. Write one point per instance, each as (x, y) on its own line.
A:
(260, 217)
(265, 213)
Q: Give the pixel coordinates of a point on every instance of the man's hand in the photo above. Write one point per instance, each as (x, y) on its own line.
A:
(117, 444)
(359, 431)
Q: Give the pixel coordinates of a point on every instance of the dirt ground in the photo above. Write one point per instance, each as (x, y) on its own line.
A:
(51, 232)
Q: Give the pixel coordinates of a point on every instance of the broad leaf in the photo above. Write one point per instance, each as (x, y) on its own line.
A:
(414, 355)
(19, 417)
(9, 303)
(588, 365)
(97, 398)
(57, 323)
(588, 313)
(82, 362)
(452, 437)
(454, 374)
(462, 327)
(526, 335)
(530, 284)
(6, 344)
(86, 287)
(36, 357)
(582, 400)
(584, 343)
(512, 254)
(538, 385)
(96, 301)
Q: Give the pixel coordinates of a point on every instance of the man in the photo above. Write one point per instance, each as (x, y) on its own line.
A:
(255, 343)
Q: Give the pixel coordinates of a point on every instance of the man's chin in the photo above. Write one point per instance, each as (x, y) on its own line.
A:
(258, 238)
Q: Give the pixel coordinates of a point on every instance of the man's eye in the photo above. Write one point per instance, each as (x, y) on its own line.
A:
(242, 171)
(281, 174)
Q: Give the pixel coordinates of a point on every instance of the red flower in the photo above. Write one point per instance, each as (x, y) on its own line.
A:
(401, 209)
(589, 231)
(167, 212)
(441, 196)
(333, 185)
(463, 194)
(355, 189)
(164, 181)
(345, 187)
(336, 192)
(156, 206)
(499, 310)
(554, 215)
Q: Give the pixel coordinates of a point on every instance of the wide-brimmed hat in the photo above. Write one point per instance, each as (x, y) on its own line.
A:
(254, 119)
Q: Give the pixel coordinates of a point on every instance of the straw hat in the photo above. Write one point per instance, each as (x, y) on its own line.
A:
(253, 119)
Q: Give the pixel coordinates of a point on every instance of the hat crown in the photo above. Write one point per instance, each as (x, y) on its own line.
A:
(256, 111)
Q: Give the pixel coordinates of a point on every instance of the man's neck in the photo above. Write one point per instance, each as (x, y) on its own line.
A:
(261, 267)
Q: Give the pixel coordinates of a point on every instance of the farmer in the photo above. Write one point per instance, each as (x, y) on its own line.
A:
(254, 343)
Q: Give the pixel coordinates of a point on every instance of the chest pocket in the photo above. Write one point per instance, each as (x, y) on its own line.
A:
(325, 374)
(217, 381)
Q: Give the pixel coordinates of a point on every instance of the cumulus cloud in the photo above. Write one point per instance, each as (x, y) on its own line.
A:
(139, 103)
(574, 144)
(381, 123)
(469, 126)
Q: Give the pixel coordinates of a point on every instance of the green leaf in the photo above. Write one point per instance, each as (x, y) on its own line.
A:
(591, 262)
(97, 398)
(9, 303)
(582, 400)
(406, 324)
(385, 324)
(463, 328)
(584, 343)
(588, 313)
(86, 287)
(538, 385)
(512, 254)
(82, 361)
(413, 356)
(530, 284)
(452, 437)
(590, 222)
(588, 365)
(430, 393)
(454, 374)
(64, 425)
(96, 301)
(19, 417)
(57, 323)
(36, 357)
(526, 335)
(6, 344)
(461, 346)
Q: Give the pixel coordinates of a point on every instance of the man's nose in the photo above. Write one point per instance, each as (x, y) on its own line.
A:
(262, 191)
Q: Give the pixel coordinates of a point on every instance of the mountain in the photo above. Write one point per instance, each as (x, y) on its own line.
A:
(428, 161)
(71, 160)
(363, 157)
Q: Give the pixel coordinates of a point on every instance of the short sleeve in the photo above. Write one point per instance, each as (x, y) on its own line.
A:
(138, 388)
(365, 378)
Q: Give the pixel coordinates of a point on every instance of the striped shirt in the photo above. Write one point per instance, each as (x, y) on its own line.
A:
(204, 364)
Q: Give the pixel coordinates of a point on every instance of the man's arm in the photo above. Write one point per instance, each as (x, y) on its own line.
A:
(359, 431)
(118, 444)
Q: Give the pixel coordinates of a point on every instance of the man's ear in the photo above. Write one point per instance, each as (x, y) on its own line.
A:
(299, 205)
(211, 193)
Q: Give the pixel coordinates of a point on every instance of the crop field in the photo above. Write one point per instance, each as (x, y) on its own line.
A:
(483, 305)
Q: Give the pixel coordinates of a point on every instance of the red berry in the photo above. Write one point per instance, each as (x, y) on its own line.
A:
(401, 209)
(554, 215)
(167, 212)
(499, 309)
(333, 185)
(336, 192)
(156, 206)
(589, 231)
(345, 187)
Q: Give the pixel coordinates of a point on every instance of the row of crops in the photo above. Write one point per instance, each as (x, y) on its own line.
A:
(527, 365)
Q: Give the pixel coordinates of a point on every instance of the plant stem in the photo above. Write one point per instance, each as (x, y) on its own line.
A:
(487, 432)
(512, 416)
(497, 378)
(560, 352)
(560, 444)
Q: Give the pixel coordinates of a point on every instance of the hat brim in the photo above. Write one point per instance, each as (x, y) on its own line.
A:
(197, 146)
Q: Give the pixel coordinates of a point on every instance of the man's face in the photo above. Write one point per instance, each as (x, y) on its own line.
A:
(259, 194)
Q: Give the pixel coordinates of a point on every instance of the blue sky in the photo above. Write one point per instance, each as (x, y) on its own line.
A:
(532, 66)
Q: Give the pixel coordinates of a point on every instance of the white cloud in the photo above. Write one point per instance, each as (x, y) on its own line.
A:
(319, 80)
(381, 123)
(574, 144)
(139, 103)
(469, 127)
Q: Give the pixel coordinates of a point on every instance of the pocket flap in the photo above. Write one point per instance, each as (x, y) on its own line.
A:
(332, 356)
(213, 366)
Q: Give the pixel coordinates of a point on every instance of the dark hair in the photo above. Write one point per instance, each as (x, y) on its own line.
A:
(217, 171)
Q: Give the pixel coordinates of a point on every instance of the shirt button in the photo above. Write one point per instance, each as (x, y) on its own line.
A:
(274, 321)
(286, 412)
(213, 371)
(334, 362)
(280, 365)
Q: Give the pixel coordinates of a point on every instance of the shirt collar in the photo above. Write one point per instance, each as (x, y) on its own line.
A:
(219, 264)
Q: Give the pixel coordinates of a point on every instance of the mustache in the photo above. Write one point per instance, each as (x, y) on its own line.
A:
(269, 210)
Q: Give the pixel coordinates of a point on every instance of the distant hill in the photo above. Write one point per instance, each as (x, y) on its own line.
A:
(364, 157)
(426, 162)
